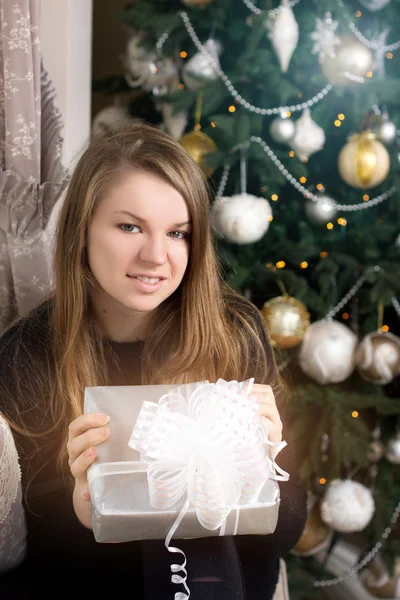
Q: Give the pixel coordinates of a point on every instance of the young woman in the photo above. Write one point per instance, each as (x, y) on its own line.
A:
(138, 299)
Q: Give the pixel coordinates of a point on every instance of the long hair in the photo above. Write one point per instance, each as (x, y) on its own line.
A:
(203, 331)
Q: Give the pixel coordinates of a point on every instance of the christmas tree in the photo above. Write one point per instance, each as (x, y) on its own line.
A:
(292, 111)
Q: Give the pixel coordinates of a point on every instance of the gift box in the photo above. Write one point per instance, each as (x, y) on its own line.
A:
(178, 463)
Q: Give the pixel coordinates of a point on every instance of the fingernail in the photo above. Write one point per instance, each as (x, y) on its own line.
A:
(103, 431)
(103, 418)
(85, 495)
(89, 452)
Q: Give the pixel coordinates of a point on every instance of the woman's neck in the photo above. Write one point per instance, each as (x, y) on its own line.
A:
(117, 323)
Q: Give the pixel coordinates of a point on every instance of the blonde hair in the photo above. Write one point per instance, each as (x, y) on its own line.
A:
(203, 331)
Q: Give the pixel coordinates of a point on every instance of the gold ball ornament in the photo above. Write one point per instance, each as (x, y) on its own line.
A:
(364, 161)
(352, 58)
(287, 320)
(316, 535)
(198, 3)
(197, 144)
(378, 358)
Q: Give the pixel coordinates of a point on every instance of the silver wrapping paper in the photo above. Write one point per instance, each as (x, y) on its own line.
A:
(121, 509)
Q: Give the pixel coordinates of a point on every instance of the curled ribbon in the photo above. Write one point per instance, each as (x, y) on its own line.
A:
(212, 447)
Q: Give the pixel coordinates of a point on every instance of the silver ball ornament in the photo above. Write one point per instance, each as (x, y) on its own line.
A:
(387, 132)
(393, 450)
(352, 60)
(321, 211)
(282, 129)
(378, 358)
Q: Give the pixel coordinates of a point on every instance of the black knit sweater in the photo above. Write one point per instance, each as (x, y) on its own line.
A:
(63, 557)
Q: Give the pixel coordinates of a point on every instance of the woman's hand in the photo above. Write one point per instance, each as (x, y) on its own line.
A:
(269, 411)
(85, 433)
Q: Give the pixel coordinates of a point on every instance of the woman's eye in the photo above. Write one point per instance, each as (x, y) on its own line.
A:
(129, 228)
(179, 235)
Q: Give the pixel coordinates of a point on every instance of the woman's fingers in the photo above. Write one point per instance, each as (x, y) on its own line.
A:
(263, 393)
(83, 442)
(269, 411)
(80, 466)
(85, 422)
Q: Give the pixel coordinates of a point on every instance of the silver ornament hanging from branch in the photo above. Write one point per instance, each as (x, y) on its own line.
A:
(350, 64)
(387, 130)
(282, 129)
(322, 211)
(283, 31)
(378, 357)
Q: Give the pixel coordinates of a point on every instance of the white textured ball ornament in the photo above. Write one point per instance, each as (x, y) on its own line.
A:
(378, 358)
(327, 353)
(241, 219)
(282, 129)
(109, 117)
(321, 211)
(347, 506)
(200, 69)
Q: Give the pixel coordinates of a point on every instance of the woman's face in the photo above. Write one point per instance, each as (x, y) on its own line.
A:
(138, 241)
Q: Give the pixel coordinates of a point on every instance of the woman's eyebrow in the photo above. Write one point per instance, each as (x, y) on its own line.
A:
(137, 218)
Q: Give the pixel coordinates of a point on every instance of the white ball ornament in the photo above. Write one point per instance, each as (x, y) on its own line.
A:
(378, 358)
(327, 352)
(364, 161)
(199, 69)
(347, 506)
(241, 219)
(308, 137)
(109, 117)
(282, 129)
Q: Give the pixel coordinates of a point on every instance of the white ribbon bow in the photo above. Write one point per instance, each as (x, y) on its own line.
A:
(213, 448)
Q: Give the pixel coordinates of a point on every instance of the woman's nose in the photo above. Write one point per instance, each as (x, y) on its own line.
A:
(154, 250)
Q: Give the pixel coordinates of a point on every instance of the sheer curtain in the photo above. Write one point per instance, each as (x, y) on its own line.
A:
(32, 177)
